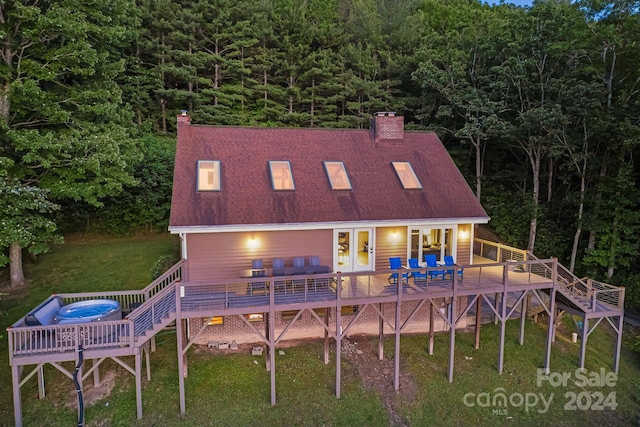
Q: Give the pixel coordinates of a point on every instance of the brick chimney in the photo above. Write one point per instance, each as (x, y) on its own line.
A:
(184, 119)
(387, 126)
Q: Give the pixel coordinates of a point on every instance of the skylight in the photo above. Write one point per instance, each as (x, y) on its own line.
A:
(407, 177)
(281, 177)
(208, 175)
(338, 178)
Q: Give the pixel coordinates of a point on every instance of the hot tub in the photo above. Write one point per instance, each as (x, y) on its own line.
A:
(95, 310)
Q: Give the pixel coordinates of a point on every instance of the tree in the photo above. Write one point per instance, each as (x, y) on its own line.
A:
(540, 65)
(456, 62)
(25, 223)
(63, 128)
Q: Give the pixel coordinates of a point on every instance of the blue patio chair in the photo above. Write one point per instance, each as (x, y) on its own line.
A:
(433, 262)
(256, 263)
(395, 263)
(298, 262)
(277, 267)
(448, 261)
(417, 275)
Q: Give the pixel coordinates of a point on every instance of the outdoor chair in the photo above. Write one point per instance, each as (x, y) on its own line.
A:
(395, 263)
(417, 275)
(277, 267)
(448, 261)
(298, 262)
(256, 263)
(431, 263)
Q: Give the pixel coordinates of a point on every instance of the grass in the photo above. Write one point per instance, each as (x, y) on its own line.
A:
(233, 390)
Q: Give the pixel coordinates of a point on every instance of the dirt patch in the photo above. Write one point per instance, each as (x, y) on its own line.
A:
(91, 394)
(377, 375)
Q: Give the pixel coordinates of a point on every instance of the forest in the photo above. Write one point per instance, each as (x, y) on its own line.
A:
(539, 107)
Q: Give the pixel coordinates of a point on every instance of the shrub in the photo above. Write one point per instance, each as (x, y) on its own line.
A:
(161, 265)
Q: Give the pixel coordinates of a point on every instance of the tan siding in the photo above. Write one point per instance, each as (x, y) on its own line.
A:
(215, 256)
(390, 242)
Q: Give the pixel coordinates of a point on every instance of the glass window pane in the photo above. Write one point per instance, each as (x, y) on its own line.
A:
(209, 175)
(281, 177)
(337, 174)
(407, 177)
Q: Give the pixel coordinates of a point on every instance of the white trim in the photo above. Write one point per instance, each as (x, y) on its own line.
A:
(183, 245)
(472, 236)
(440, 222)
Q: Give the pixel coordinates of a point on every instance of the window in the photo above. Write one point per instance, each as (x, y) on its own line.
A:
(407, 177)
(289, 314)
(255, 317)
(281, 177)
(208, 175)
(348, 310)
(216, 320)
(338, 178)
(320, 311)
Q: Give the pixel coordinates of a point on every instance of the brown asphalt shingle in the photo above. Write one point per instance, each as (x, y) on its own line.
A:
(247, 196)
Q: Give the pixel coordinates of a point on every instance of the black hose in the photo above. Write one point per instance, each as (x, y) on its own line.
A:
(79, 389)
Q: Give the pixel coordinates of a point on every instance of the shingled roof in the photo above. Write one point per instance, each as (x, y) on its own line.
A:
(247, 197)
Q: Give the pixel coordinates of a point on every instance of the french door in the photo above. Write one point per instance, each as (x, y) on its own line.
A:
(430, 241)
(353, 249)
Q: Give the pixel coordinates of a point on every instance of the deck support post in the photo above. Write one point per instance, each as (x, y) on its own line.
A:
(180, 344)
(583, 340)
(557, 320)
(495, 300)
(272, 341)
(380, 336)
(153, 343)
(17, 401)
(616, 360)
(326, 335)
(41, 391)
(267, 359)
(96, 372)
(147, 362)
(398, 330)
(478, 320)
(338, 333)
(452, 334)
(138, 369)
(503, 317)
(431, 329)
(550, 329)
(523, 316)
(503, 326)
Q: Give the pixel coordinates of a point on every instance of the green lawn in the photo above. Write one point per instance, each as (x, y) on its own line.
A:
(235, 390)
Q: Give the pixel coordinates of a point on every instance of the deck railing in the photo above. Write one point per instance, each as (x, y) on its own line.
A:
(153, 311)
(32, 340)
(497, 252)
(168, 277)
(589, 289)
(127, 299)
(29, 340)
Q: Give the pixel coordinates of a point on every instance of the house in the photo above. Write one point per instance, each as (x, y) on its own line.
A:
(353, 198)
(252, 204)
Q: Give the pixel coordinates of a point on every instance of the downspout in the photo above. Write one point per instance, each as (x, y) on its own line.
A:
(79, 388)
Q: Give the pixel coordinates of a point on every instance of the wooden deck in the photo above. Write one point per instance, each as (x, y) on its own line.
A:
(251, 295)
(245, 296)
(495, 272)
